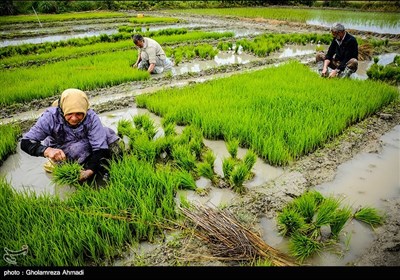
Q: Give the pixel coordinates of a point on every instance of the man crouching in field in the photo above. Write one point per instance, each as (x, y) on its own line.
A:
(341, 58)
(151, 55)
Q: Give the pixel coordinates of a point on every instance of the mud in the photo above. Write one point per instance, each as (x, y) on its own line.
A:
(264, 201)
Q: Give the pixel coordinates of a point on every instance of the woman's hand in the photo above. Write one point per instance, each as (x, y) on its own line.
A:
(85, 174)
(54, 154)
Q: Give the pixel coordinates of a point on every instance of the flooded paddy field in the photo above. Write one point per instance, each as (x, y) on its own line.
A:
(363, 167)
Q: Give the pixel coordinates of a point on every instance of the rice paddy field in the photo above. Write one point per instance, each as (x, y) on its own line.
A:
(242, 155)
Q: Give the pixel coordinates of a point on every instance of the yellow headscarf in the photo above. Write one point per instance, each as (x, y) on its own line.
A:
(73, 101)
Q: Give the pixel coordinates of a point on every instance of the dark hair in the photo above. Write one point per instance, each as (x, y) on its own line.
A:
(137, 37)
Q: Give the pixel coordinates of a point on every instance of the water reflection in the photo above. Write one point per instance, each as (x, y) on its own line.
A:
(376, 26)
(369, 179)
(54, 38)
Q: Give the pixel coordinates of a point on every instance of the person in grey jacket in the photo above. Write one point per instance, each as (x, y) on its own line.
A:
(341, 60)
(69, 130)
(151, 57)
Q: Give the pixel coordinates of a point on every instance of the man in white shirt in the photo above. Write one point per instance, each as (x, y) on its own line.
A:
(151, 56)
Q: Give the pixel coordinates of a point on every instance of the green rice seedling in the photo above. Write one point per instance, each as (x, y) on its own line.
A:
(169, 129)
(326, 211)
(183, 157)
(370, 216)
(233, 145)
(150, 19)
(227, 166)
(192, 137)
(262, 262)
(279, 124)
(67, 173)
(145, 123)
(224, 46)
(196, 146)
(209, 157)
(9, 139)
(206, 170)
(124, 127)
(340, 219)
(144, 148)
(289, 221)
(249, 159)
(186, 180)
(163, 147)
(166, 120)
(238, 176)
(307, 204)
(302, 246)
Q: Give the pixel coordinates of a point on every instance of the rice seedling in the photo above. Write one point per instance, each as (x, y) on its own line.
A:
(206, 170)
(227, 166)
(307, 205)
(144, 148)
(302, 246)
(144, 123)
(299, 15)
(125, 128)
(342, 216)
(9, 139)
(209, 157)
(312, 223)
(183, 157)
(261, 262)
(238, 176)
(289, 221)
(370, 216)
(279, 124)
(186, 180)
(326, 211)
(67, 173)
(150, 19)
(232, 146)
(249, 159)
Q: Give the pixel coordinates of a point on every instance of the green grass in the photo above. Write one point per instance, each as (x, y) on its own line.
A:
(279, 123)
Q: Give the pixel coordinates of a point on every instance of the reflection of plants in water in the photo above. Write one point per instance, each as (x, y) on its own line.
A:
(313, 222)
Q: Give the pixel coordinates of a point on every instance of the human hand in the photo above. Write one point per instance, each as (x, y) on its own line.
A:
(54, 154)
(333, 73)
(323, 73)
(85, 174)
(134, 65)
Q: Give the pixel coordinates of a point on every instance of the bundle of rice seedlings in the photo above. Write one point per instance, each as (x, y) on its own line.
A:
(67, 173)
(370, 216)
(229, 240)
(365, 52)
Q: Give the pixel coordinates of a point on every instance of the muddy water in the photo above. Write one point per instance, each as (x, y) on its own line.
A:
(365, 173)
(366, 180)
(369, 179)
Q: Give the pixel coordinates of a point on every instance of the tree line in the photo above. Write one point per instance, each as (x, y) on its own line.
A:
(16, 7)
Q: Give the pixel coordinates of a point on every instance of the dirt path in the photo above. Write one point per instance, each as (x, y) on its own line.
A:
(311, 170)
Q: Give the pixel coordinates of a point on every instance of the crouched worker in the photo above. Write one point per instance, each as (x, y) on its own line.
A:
(69, 130)
(151, 56)
(341, 60)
